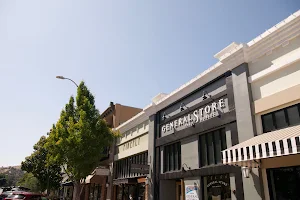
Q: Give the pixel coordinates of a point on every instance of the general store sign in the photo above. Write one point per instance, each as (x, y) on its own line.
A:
(197, 116)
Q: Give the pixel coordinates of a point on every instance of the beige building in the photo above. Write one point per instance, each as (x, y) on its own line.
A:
(98, 184)
(131, 149)
(274, 75)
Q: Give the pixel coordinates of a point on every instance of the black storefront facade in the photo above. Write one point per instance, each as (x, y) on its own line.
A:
(129, 182)
(188, 136)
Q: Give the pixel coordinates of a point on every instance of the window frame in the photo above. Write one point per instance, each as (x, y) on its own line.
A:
(286, 116)
(204, 138)
(167, 154)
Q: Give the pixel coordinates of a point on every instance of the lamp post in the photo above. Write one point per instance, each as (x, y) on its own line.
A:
(61, 77)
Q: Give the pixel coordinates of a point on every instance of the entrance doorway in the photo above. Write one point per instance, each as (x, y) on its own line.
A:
(284, 183)
(179, 190)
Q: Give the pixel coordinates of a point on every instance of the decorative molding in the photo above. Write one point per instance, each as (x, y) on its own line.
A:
(274, 37)
(132, 122)
(286, 61)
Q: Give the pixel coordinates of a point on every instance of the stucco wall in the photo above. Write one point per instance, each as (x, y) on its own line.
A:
(280, 79)
(133, 141)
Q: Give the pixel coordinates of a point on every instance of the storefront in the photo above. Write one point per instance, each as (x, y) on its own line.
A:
(130, 183)
(131, 160)
(189, 136)
(131, 190)
(275, 86)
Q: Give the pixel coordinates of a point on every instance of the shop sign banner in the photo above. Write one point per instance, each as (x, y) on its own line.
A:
(191, 192)
(197, 116)
(139, 168)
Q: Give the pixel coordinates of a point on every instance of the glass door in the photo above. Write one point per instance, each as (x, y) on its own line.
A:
(284, 183)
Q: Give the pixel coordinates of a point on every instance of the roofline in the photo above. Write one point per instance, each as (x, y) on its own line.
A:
(132, 122)
(274, 37)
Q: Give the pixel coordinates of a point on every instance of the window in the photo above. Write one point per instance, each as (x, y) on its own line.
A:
(210, 147)
(172, 157)
(216, 187)
(122, 167)
(281, 118)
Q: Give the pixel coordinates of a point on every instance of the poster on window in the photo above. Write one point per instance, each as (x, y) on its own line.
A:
(191, 192)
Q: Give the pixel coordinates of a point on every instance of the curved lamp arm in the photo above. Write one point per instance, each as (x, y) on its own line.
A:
(61, 77)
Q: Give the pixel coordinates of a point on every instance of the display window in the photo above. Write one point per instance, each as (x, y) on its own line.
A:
(217, 187)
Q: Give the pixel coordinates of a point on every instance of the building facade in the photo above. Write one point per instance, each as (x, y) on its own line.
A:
(189, 135)
(274, 71)
(98, 184)
(131, 159)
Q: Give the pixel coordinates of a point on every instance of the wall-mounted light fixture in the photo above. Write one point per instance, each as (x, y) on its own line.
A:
(107, 185)
(164, 116)
(182, 107)
(205, 95)
(246, 172)
(183, 168)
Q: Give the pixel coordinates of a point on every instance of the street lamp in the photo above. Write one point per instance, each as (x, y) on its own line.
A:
(61, 77)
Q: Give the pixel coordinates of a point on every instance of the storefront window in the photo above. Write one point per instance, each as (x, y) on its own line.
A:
(283, 118)
(131, 192)
(119, 192)
(91, 195)
(141, 192)
(284, 183)
(172, 157)
(211, 144)
(217, 187)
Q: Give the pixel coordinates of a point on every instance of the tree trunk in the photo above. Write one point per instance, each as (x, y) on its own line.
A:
(78, 193)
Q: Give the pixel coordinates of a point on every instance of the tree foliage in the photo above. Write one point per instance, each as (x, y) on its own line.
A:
(36, 164)
(79, 137)
(29, 181)
(2, 180)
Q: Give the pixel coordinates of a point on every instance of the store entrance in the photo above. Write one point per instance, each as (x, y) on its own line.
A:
(179, 193)
(131, 192)
(284, 183)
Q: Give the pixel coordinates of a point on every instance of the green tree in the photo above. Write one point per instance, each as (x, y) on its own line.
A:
(2, 180)
(79, 138)
(29, 181)
(47, 175)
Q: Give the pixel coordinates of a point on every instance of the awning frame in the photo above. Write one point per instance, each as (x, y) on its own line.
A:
(268, 145)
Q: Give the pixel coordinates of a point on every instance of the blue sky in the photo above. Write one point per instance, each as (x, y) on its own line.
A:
(125, 51)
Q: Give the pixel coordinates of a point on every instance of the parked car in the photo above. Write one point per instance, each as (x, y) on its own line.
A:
(5, 194)
(24, 195)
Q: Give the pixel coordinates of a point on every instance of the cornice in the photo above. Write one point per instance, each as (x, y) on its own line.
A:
(276, 36)
(132, 122)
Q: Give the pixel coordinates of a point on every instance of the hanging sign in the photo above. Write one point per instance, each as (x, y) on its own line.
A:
(191, 192)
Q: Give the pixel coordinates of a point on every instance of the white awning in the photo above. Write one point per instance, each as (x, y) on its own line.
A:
(276, 143)
(88, 179)
(65, 178)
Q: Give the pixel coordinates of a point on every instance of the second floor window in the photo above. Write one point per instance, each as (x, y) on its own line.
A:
(172, 157)
(281, 118)
(210, 146)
